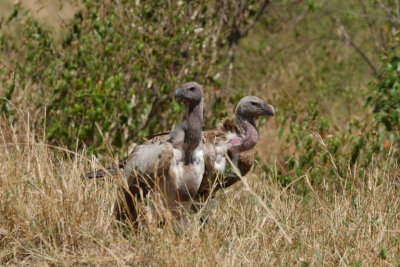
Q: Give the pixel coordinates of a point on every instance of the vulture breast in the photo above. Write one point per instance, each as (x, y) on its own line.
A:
(188, 176)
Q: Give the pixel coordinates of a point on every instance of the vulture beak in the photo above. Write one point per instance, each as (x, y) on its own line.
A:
(180, 93)
(269, 110)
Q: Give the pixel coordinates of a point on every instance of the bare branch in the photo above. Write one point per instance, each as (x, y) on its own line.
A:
(216, 35)
(237, 33)
(355, 46)
(389, 12)
(256, 18)
(154, 108)
(231, 55)
(370, 25)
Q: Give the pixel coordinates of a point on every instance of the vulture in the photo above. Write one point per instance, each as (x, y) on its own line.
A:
(234, 140)
(173, 167)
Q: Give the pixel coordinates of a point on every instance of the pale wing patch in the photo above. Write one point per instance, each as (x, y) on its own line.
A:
(178, 155)
(199, 165)
(220, 163)
(177, 166)
(230, 135)
(222, 148)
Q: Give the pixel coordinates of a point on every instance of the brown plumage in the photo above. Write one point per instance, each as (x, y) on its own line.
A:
(233, 139)
(236, 141)
(173, 168)
(218, 141)
(244, 163)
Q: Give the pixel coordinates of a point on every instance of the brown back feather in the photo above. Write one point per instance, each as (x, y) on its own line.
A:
(218, 134)
(149, 137)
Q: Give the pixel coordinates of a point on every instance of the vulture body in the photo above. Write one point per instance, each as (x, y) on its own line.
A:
(229, 138)
(233, 139)
(236, 141)
(174, 167)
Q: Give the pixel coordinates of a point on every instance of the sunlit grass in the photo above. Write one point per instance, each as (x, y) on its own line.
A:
(50, 214)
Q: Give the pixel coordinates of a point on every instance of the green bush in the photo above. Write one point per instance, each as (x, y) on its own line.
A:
(116, 65)
(322, 155)
(384, 97)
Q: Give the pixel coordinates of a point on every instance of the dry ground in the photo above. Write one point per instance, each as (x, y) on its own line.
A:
(50, 215)
(52, 12)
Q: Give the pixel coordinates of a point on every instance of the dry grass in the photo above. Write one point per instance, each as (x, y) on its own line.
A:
(50, 215)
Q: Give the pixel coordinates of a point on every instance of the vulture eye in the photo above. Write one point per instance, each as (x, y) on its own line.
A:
(254, 103)
(191, 89)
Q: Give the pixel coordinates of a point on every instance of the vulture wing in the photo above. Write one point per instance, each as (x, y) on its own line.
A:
(219, 138)
(143, 175)
(151, 159)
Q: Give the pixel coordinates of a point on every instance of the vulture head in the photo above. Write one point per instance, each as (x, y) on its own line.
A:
(191, 93)
(252, 107)
(248, 109)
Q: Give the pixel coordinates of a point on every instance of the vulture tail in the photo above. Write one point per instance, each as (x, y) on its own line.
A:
(101, 173)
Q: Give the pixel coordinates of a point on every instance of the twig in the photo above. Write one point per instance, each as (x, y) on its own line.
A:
(216, 35)
(231, 55)
(256, 18)
(154, 108)
(119, 8)
(388, 11)
(236, 34)
(355, 46)
(370, 25)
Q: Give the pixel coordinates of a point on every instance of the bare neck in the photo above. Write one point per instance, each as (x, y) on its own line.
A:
(194, 120)
(249, 136)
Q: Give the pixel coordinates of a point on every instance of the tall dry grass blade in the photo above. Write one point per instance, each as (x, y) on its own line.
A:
(259, 200)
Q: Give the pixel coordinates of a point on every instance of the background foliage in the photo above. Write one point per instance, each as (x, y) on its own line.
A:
(327, 66)
(117, 65)
(110, 72)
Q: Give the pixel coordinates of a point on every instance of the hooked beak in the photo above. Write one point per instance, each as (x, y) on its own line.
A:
(269, 110)
(179, 93)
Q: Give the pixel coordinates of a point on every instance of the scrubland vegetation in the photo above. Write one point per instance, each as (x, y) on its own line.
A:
(97, 77)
